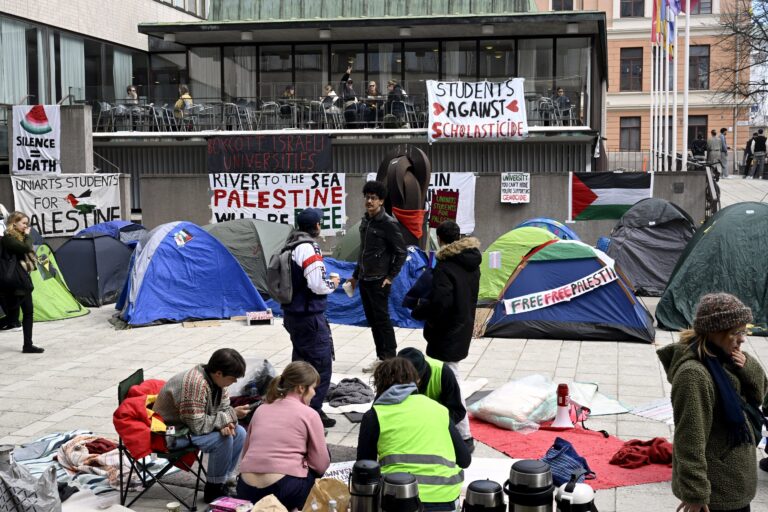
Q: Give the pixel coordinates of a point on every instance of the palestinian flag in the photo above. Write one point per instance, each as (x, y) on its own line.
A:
(607, 195)
(36, 121)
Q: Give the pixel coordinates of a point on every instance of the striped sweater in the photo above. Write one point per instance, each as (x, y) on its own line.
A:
(191, 398)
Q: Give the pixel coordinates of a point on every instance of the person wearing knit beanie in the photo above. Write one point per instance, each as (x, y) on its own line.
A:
(714, 384)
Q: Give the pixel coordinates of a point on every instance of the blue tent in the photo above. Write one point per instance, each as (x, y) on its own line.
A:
(180, 272)
(349, 310)
(129, 233)
(568, 290)
(558, 229)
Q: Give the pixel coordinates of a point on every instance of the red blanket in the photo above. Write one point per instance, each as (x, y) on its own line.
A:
(591, 445)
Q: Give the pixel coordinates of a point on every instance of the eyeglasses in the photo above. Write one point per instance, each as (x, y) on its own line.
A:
(739, 334)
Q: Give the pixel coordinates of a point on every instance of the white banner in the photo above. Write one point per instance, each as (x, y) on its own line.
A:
(63, 204)
(564, 293)
(278, 197)
(515, 187)
(461, 182)
(476, 110)
(36, 139)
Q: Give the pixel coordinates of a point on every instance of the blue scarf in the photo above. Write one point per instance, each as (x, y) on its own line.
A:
(738, 429)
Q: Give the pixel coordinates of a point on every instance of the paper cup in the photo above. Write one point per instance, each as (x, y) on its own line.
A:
(348, 289)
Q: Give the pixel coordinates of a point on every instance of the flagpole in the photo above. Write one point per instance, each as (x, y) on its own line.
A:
(651, 123)
(675, 53)
(686, 78)
(665, 138)
(659, 105)
(657, 90)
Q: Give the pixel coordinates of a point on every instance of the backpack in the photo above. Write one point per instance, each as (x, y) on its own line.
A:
(279, 282)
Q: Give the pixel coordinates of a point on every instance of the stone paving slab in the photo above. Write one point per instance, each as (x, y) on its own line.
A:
(74, 384)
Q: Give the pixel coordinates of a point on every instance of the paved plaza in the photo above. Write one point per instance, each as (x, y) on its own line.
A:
(74, 384)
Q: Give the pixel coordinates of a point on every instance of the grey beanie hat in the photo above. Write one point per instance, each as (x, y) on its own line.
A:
(718, 312)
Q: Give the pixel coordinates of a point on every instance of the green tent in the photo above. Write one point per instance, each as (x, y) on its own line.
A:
(348, 246)
(51, 297)
(252, 242)
(512, 245)
(727, 254)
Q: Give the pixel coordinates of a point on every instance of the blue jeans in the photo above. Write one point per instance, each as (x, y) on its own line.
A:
(223, 452)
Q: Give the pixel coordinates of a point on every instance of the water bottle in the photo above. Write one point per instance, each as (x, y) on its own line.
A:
(170, 437)
(332, 506)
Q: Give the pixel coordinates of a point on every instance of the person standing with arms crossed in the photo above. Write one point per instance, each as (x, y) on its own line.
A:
(382, 254)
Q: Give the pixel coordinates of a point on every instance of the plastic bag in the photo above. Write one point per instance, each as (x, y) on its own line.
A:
(519, 405)
(20, 491)
(327, 489)
(258, 375)
(269, 504)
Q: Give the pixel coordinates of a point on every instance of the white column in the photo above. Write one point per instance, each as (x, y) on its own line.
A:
(674, 98)
(686, 77)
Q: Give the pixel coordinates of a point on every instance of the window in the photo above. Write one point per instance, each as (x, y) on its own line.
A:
(459, 61)
(311, 63)
(276, 65)
(632, 8)
(631, 69)
(701, 7)
(535, 65)
(168, 71)
(385, 61)
(205, 74)
(422, 62)
(697, 125)
(572, 57)
(240, 71)
(194, 7)
(698, 62)
(497, 59)
(629, 137)
(562, 5)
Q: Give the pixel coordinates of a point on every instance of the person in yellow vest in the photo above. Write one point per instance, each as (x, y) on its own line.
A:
(439, 383)
(411, 433)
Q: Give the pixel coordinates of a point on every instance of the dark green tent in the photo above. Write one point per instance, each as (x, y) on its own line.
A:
(727, 254)
(252, 242)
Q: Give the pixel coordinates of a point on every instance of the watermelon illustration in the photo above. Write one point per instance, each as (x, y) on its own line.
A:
(36, 121)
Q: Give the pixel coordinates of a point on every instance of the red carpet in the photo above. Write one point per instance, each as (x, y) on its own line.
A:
(591, 445)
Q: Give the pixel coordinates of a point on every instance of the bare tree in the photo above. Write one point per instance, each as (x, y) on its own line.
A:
(744, 36)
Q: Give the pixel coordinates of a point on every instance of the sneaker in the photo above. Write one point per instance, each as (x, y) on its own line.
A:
(371, 367)
(327, 422)
(11, 327)
(764, 464)
(32, 349)
(212, 492)
(470, 444)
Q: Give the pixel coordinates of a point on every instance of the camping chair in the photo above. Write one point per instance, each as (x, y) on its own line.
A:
(172, 457)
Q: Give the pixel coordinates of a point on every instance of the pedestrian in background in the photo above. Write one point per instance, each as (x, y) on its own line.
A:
(382, 254)
(724, 152)
(18, 251)
(758, 151)
(449, 310)
(714, 147)
(713, 384)
(304, 317)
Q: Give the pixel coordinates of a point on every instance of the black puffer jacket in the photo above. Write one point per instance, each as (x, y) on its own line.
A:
(382, 249)
(450, 311)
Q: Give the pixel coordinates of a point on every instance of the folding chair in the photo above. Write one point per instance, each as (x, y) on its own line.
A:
(173, 457)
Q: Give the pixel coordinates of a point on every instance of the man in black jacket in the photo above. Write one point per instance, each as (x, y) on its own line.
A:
(449, 311)
(382, 254)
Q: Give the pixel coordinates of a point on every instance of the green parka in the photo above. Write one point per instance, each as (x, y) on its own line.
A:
(706, 468)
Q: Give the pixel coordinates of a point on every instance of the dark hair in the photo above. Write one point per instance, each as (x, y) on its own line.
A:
(723, 130)
(375, 187)
(448, 232)
(713, 132)
(760, 131)
(397, 370)
(297, 373)
(228, 361)
(183, 89)
(700, 136)
(754, 134)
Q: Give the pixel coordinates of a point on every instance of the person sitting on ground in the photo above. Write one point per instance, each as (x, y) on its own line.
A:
(713, 384)
(439, 383)
(408, 432)
(198, 400)
(285, 449)
(183, 104)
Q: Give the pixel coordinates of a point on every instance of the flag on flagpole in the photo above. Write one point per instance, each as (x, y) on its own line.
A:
(606, 195)
(655, 21)
(675, 6)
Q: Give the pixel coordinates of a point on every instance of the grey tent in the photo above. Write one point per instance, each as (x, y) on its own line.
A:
(348, 246)
(252, 242)
(647, 242)
(95, 266)
(727, 254)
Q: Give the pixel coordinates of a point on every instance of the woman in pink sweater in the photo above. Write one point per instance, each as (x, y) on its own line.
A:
(285, 448)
